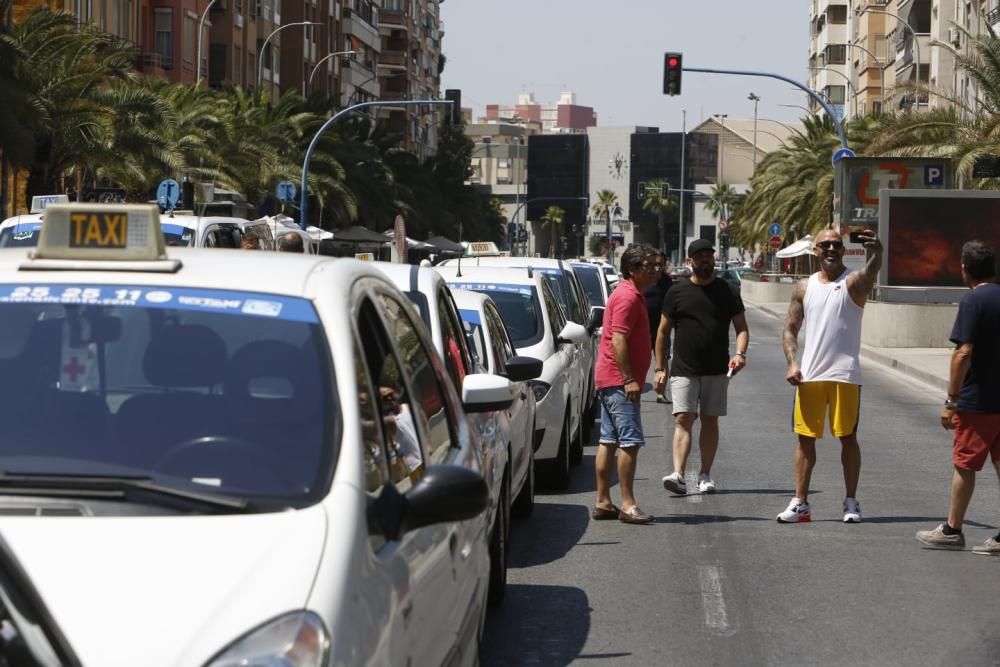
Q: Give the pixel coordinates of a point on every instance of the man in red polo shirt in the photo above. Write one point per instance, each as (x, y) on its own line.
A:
(623, 359)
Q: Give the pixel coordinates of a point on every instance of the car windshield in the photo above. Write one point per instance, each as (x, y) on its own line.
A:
(20, 236)
(212, 391)
(519, 310)
(177, 235)
(591, 279)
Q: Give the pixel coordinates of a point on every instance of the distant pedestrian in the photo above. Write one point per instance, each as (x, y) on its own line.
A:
(654, 306)
(831, 302)
(250, 241)
(291, 242)
(623, 358)
(699, 310)
(972, 407)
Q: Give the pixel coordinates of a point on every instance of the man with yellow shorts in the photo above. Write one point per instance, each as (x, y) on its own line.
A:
(828, 383)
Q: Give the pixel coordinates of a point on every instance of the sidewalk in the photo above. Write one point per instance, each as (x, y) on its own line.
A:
(927, 364)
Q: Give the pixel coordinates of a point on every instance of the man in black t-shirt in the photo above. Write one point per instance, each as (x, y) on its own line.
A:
(700, 311)
(654, 306)
(972, 406)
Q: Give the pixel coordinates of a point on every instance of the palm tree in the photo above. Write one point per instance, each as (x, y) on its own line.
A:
(658, 204)
(723, 197)
(552, 219)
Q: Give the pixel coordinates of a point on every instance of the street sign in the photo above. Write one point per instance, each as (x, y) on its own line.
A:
(168, 193)
(841, 153)
(775, 243)
(774, 229)
(285, 191)
(723, 224)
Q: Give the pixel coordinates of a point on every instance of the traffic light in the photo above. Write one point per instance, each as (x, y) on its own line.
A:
(672, 66)
(642, 190)
(455, 110)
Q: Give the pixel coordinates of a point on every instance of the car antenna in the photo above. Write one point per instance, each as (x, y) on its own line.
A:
(458, 274)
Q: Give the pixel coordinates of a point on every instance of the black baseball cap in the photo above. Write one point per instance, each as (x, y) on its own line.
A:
(698, 245)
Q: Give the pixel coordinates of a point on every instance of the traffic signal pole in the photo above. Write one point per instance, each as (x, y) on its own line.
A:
(826, 107)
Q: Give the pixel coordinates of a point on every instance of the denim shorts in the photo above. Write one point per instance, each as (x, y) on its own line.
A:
(620, 421)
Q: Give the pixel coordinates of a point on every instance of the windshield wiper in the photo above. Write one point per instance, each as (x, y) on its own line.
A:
(118, 485)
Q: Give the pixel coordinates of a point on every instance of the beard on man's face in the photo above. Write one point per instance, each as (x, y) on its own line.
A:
(703, 270)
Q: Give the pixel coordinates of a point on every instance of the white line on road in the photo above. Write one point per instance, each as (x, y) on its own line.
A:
(692, 484)
(710, 577)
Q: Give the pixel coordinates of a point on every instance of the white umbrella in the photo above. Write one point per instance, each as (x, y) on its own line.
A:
(803, 246)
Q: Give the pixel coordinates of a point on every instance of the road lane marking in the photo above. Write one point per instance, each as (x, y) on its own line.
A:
(692, 484)
(710, 577)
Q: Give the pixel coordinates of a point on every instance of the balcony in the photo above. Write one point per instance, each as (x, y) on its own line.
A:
(152, 62)
(395, 60)
(993, 16)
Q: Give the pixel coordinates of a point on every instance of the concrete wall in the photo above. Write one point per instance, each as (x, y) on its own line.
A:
(772, 293)
(907, 325)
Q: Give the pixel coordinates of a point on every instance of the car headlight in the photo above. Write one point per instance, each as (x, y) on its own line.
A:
(539, 389)
(298, 639)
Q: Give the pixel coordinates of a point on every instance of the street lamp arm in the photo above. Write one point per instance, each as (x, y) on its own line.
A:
(304, 199)
(323, 60)
(916, 40)
(260, 58)
(201, 26)
(850, 84)
(881, 73)
(797, 84)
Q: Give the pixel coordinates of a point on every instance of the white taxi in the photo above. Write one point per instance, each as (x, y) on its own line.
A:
(199, 473)
(528, 305)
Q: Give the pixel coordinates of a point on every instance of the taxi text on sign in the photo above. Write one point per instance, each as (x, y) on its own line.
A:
(98, 229)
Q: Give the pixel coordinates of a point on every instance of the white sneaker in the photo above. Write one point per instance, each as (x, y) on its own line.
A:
(852, 511)
(796, 512)
(705, 483)
(674, 483)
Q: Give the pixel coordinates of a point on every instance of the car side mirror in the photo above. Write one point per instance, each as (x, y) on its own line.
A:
(444, 493)
(573, 333)
(521, 369)
(596, 318)
(482, 392)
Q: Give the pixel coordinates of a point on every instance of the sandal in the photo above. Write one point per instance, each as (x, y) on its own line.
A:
(635, 515)
(601, 514)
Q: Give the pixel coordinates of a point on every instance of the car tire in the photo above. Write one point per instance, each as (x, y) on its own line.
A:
(557, 470)
(499, 543)
(524, 504)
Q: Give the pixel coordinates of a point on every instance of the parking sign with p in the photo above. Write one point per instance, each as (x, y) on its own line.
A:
(934, 174)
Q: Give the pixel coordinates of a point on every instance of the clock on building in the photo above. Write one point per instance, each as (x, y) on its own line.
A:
(617, 165)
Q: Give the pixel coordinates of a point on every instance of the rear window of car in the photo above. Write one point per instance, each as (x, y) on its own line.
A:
(590, 278)
(216, 391)
(519, 309)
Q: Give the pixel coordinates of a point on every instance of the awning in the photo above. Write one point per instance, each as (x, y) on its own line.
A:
(445, 245)
(803, 246)
(358, 234)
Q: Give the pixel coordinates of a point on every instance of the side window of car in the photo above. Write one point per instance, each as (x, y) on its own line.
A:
(497, 337)
(581, 295)
(456, 355)
(429, 404)
(556, 319)
(372, 445)
(508, 347)
(393, 404)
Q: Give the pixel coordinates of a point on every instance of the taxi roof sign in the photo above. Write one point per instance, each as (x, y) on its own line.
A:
(39, 202)
(116, 232)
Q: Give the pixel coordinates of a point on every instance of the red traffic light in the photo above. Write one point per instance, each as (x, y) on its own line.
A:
(673, 62)
(672, 73)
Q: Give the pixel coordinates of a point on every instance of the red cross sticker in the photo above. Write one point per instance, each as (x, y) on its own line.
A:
(74, 369)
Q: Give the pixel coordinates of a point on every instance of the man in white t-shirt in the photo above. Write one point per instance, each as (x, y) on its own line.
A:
(830, 303)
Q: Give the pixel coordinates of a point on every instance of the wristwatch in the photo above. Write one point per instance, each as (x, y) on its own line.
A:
(742, 354)
(659, 370)
(950, 404)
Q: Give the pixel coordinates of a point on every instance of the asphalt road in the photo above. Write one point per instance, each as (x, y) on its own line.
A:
(716, 581)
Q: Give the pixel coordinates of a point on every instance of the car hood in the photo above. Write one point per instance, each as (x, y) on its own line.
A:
(167, 590)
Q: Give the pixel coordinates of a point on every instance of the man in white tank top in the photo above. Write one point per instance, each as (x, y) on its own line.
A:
(831, 303)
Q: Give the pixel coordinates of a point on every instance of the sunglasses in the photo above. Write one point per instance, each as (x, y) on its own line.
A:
(826, 245)
(648, 266)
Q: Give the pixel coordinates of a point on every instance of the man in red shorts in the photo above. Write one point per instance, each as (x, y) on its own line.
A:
(972, 407)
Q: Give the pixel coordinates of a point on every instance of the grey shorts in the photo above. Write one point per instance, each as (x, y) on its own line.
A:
(705, 394)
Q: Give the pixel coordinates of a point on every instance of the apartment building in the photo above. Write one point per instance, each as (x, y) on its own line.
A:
(566, 116)
(827, 69)
(409, 68)
(359, 76)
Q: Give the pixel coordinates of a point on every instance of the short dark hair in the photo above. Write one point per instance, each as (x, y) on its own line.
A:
(291, 242)
(979, 260)
(634, 256)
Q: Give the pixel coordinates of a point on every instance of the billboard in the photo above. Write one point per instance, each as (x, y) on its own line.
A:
(923, 232)
(858, 181)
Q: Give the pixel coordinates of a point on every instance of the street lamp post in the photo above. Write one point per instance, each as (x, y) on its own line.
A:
(680, 224)
(722, 146)
(323, 60)
(201, 26)
(916, 41)
(755, 99)
(260, 59)
(850, 85)
(799, 106)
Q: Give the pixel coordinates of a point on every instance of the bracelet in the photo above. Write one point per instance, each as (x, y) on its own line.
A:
(742, 354)
(659, 370)
(628, 380)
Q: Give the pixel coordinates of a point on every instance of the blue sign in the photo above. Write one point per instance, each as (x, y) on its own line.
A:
(285, 191)
(934, 174)
(774, 229)
(168, 193)
(841, 153)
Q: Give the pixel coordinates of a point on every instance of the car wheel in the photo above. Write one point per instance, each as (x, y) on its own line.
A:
(524, 504)
(498, 546)
(557, 471)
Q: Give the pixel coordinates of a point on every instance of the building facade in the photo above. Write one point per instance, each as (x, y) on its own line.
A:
(564, 117)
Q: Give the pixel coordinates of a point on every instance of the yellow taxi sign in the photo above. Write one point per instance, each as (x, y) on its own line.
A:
(128, 232)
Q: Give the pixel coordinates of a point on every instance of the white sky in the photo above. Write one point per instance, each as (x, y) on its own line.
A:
(610, 54)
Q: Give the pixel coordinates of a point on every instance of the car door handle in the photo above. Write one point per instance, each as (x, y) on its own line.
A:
(524, 395)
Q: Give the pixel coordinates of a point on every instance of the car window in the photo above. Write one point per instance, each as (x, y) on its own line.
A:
(582, 301)
(556, 319)
(497, 337)
(428, 405)
(519, 309)
(223, 237)
(456, 353)
(218, 391)
(475, 335)
(590, 278)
